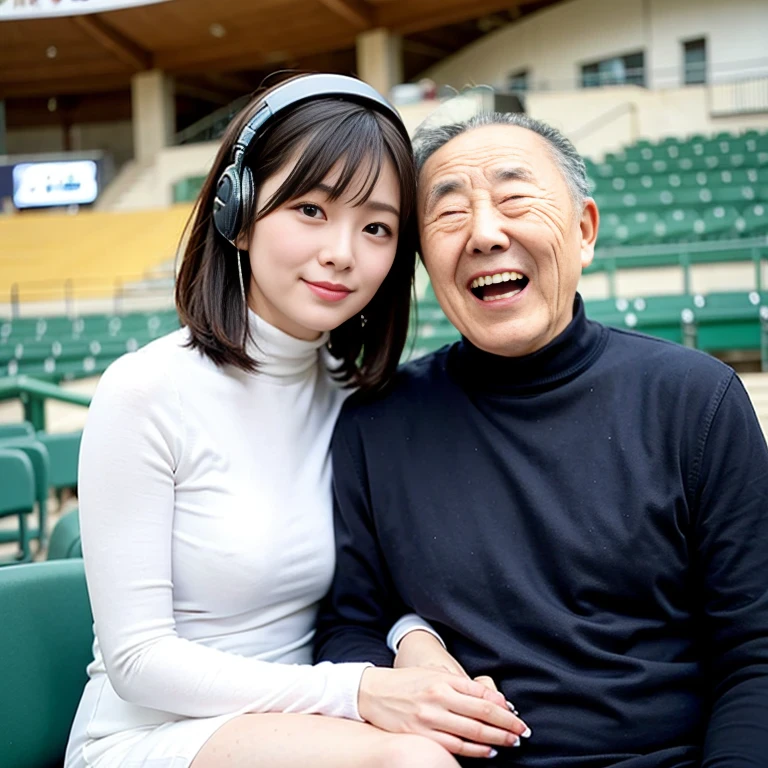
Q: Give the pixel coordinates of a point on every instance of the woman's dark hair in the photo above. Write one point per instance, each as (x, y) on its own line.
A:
(321, 133)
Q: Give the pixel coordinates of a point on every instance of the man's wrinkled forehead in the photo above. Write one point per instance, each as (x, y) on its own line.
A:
(488, 155)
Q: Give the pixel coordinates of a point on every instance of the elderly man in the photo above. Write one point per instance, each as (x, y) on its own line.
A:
(581, 513)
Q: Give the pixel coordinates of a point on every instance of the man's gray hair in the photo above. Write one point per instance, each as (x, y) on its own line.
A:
(429, 139)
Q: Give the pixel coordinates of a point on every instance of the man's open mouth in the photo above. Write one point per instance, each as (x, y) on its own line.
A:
(498, 285)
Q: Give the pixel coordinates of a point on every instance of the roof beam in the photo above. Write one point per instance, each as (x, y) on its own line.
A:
(357, 12)
(122, 48)
(409, 18)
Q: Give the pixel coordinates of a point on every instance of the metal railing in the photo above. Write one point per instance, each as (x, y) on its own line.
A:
(66, 295)
(33, 395)
(611, 260)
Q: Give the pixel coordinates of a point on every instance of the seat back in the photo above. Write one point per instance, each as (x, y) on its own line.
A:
(65, 537)
(18, 487)
(45, 646)
(22, 429)
(64, 450)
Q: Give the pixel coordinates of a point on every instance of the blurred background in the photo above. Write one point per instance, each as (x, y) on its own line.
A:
(111, 110)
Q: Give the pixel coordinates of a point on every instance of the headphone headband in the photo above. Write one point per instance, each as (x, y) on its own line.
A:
(234, 192)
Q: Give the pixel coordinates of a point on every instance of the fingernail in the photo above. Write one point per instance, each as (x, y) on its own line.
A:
(517, 743)
(526, 734)
(512, 708)
(493, 753)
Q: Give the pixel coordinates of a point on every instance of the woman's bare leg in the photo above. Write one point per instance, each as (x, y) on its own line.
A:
(304, 741)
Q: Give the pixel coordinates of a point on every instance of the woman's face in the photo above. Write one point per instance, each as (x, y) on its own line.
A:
(316, 262)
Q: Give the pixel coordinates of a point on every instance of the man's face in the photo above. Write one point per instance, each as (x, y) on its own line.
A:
(494, 207)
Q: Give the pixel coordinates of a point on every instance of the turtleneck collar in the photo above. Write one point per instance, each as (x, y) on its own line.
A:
(564, 358)
(278, 354)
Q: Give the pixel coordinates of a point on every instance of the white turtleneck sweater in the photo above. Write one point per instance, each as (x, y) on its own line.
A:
(206, 515)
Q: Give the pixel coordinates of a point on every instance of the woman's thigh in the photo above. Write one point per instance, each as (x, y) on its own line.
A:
(313, 741)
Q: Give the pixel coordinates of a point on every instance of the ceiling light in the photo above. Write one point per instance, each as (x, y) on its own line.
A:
(217, 30)
(51, 51)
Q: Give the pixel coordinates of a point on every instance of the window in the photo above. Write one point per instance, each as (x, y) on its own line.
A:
(518, 81)
(695, 62)
(619, 70)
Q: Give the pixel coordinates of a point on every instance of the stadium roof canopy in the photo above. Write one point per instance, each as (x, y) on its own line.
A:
(219, 49)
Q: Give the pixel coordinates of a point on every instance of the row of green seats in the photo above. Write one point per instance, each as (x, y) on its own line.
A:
(697, 197)
(56, 371)
(54, 328)
(752, 177)
(32, 464)
(682, 225)
(714, 322)
(729, 146)
(679, 165)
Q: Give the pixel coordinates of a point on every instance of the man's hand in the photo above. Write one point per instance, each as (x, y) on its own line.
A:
(462, 715)
(422, 649)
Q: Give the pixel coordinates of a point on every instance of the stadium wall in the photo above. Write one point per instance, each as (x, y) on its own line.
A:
(553, 44)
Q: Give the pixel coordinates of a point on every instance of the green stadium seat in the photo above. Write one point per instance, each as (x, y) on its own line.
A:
(735, 195)
(18, 429)
(65, 537)
(661, 316)
(17, 499)
(37, 454)
(719, 222)
(611, 312)
(64, 451)
(753, 220)
(638, 228)
(678, 226)
(45, 647)
(727, 321)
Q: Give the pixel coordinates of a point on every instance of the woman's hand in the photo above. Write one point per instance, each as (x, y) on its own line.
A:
(462, 715)
(422, 649)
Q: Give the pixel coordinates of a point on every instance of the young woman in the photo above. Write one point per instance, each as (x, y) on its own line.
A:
(205, 492)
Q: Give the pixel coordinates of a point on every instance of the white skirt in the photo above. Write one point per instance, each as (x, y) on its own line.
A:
(172, 744)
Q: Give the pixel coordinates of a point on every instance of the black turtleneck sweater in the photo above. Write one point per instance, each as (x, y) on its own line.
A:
(588, 525)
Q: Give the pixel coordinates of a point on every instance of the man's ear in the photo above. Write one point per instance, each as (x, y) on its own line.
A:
(589, 224)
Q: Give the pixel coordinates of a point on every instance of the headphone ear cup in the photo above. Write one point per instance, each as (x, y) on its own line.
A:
(227, 204)
(247, 194)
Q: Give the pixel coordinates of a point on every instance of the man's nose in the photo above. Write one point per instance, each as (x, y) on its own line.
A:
(338, 250)
(488, 233)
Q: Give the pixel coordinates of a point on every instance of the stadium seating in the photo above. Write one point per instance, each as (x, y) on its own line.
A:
(685, 191)
(18, 495)
(60, 348)
(45, 648)
(90, 251)
(38, 455)
(65, 537)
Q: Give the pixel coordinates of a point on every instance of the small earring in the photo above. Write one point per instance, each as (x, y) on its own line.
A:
(242, 284)
(363, 320)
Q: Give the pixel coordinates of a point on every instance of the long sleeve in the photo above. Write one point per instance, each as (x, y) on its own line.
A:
(732, 553)
(362, 605)
(132, 445)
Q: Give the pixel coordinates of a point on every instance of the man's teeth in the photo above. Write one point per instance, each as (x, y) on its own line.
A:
(501, 277)
(503, 295)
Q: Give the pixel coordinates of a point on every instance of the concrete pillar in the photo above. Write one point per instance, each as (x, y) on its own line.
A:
(380, 59)
(153, 113)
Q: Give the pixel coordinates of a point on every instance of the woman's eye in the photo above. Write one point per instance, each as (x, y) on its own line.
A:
(312, 211)
(379, 230)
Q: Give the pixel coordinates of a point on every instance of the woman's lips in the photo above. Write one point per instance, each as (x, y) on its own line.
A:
(329, 291)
